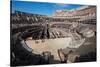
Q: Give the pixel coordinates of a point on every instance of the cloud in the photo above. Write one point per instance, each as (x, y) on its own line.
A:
(62, 5)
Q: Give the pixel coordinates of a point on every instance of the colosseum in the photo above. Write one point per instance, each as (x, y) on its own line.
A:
(68, 36)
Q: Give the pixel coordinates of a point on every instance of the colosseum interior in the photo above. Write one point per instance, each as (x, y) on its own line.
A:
(64, 37)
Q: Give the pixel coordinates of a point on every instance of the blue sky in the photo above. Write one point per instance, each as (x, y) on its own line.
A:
(42, 8)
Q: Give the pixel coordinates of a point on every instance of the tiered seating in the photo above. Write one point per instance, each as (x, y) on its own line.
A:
(84, 16)
(26, 18)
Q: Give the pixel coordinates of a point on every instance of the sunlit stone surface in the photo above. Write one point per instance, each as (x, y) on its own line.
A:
(51, 45)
